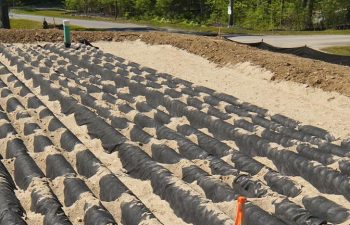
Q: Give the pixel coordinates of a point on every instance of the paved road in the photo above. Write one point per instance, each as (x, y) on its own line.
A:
(103, 25)
(84, 23)
(313, 41)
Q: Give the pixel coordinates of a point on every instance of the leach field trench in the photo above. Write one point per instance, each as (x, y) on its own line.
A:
(133, 133)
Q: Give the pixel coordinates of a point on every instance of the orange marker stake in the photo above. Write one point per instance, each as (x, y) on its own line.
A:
(240, 213)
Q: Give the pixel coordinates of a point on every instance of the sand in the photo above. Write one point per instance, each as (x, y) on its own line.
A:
(294, 100)
(249, 83)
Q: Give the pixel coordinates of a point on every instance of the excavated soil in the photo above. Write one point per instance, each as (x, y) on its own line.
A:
(313, 73)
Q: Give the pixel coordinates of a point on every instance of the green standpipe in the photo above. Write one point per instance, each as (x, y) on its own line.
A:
(66, 31)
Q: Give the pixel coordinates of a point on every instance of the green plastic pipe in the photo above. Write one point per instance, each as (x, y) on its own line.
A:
(66, 31)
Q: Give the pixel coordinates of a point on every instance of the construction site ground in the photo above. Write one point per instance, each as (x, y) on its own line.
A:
(156, 127)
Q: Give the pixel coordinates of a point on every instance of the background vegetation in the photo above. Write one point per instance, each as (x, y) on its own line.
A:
(261, 14)
(248, 14)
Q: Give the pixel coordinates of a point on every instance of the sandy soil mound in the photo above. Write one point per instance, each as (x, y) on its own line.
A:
(247, 82)
(285, 67)
(91, 136)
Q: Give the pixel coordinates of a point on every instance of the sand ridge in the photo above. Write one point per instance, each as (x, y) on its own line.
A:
(245, 81)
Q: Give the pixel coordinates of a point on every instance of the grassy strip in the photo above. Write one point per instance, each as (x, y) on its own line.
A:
(25, 24)
(29, 24)
(63, 14)
(173, 25)
(339, 50)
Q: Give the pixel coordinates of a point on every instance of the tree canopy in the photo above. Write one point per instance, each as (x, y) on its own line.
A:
(249, 14)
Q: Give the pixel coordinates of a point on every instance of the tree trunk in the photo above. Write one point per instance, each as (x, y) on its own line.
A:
(116, 9)
(86, 5)
(201, 10)
(231, 17)
(282, 13)
(4, 15)
(309, 13)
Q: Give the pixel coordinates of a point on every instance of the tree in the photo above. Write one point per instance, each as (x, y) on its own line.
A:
(164, 7)
(309, 7)
(346, 5)
(231, 16)
(249, 14)
(4, 15)
(144, 7)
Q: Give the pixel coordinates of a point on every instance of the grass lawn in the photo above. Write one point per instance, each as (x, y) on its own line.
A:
(29, 24)
(53, 13)
(174, 25)
(24, 24)
(339, 50)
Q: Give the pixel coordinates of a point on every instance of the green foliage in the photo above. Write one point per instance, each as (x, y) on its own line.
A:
(144, 7)
(164, 7)
(218, 9)
(249, 14)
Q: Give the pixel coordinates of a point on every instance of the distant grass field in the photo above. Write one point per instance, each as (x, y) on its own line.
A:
(339, 50)
(174, 25)
(29, 24)
(24, 24)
